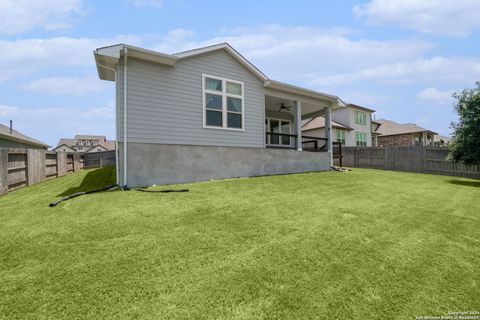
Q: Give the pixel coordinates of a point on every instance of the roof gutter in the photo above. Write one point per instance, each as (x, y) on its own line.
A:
(285, 87)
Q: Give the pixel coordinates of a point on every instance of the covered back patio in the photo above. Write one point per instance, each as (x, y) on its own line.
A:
(287, 108)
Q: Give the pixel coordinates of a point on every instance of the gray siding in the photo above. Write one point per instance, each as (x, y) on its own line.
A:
(165, 104)
(346, 116)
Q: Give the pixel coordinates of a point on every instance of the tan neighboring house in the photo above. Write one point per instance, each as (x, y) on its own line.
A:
(441, 141)
(85, 143)
(10, 138)
(352, 126)
(391, 133)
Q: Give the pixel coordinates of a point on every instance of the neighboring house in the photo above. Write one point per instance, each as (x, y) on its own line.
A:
(375, 133)
(11, 138)
(352, 126)
(408, 134)
(85, 143)
(207, 113)
(441, 141)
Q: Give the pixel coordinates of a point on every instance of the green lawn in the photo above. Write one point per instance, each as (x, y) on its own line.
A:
(365, 244)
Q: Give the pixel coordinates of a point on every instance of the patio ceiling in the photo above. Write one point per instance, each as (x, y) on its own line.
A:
(309, 109)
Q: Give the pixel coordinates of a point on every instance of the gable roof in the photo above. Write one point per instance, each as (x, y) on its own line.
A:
(390, 128)
(228, 48)
(17, 136)
(72, 143)
(319, 122)
(350, 104)
(107, 59)
(62, 145)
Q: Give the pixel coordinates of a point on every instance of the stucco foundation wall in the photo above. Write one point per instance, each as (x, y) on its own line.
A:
(150, 164)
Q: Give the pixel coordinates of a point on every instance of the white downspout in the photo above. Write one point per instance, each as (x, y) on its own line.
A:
(125, 51)
(117, 173)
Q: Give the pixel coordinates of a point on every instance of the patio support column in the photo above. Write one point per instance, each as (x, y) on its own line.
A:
(298, 123)
(328, 132)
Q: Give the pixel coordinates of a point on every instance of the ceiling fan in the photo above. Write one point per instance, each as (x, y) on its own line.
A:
(284, 107)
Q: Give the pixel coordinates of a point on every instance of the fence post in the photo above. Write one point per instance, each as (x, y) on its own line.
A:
(35, 166)
(3, 170)
(76, 162)
(61, 164)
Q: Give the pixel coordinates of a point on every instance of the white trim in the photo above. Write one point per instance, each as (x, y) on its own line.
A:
(298, 123)
(125, 141)
(267, 127)
(224, 94)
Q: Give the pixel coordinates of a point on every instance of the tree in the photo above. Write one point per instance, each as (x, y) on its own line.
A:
(466, 142)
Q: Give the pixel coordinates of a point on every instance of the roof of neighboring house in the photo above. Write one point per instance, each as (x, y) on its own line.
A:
(107, 58)
(390, 128)
(20, 137)
(91, 137)
(319, 122)
(102, 141)
(438, 138)
(349, 104)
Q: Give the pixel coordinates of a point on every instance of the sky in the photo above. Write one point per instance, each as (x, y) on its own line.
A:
(403, 59)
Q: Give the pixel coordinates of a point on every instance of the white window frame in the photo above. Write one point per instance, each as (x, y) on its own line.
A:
(361, 117)
(224, 96)
(363, 141)
(344, 134)
(267, 128)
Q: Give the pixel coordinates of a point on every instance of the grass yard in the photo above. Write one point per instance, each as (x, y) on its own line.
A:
(365, 244)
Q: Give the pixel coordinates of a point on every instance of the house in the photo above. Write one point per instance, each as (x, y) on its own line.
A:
(441, 141)
(408, 134)
(352, 126)
(11, 138)
(375, 133)
(85, 143)
(207, 113)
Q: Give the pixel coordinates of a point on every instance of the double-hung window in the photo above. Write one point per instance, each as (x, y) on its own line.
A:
(340, 135)
(361, 139)
(223, 103)
(360, 117)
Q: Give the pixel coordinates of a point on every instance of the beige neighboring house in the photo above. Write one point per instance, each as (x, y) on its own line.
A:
(10, 138)
(352, 126)
(391, 133)
(85, 143)
(441, 141)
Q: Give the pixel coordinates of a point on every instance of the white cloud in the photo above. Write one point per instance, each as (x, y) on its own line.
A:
(6, 111)
(451, 70)
(25, 15)
(293, 53)
(148, 3)
(449, 17)
(435, 96)
(65, 85)
(23, 56)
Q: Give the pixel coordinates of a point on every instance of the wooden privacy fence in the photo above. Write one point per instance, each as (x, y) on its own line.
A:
(24, 167)
(412, 159)
(100, 159)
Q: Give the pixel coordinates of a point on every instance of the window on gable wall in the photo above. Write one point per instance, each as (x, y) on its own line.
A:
(223, 103)
(360, 117)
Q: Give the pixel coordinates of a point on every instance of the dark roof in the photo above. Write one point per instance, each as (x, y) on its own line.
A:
(391, 128)
(20, 137)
